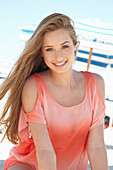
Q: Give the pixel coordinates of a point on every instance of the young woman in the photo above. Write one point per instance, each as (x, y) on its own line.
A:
(56, 114)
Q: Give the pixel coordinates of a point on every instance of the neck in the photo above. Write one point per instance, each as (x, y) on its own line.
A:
(63, 79)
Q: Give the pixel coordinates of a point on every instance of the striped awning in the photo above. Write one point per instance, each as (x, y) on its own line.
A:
(99, 59)
(26, 32)
(96, 43)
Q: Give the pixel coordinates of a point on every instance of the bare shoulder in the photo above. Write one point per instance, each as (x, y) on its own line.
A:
(100, 85)
(29, 94)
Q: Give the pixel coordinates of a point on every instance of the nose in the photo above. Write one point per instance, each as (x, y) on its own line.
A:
(58, 54)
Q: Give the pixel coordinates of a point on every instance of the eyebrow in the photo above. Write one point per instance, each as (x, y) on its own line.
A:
(60, 44)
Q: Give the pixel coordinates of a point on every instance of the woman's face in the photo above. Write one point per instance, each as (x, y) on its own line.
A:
(58, 50)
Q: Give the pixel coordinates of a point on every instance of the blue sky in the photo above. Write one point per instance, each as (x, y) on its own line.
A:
(17, 13)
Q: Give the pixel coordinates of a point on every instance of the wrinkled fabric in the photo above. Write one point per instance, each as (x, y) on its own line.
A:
(68, 127)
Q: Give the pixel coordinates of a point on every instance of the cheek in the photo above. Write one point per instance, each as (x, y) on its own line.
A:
(47, 59)
(71, 52)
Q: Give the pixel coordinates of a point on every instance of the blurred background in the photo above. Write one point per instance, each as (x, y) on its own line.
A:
(94, 27)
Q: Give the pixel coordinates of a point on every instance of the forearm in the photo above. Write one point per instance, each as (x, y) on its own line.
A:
(98, 158)
(46, 160)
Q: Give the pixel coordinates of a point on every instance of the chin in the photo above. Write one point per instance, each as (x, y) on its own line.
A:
(66, 70)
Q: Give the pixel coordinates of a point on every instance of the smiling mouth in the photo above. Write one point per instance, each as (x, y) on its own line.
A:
(60, 64)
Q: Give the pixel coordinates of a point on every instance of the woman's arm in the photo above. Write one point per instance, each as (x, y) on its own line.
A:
(46, 157)
(44, 151)
(96, 147)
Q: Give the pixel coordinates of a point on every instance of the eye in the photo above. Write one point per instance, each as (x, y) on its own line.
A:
(49, 49)
(65, 46)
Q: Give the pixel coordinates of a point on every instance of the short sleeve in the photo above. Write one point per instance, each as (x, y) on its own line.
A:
(98, 108)
(36, 116)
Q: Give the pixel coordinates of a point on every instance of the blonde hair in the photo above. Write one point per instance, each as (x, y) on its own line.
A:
(28, 63)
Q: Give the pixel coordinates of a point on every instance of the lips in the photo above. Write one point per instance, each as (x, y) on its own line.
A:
(60, 64)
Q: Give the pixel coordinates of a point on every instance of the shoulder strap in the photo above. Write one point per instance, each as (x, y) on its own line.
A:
(92, 88)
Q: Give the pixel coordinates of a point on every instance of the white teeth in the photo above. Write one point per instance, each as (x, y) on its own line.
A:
(59, 64)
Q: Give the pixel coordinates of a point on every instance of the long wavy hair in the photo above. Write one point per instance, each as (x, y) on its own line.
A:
(29, 62)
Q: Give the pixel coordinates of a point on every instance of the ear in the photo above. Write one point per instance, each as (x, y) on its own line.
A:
(75, 47)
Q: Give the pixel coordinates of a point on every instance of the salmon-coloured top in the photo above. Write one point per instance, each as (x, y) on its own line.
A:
(68, 127)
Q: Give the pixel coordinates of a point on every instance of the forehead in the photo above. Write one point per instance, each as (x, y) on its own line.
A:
(57, 36)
